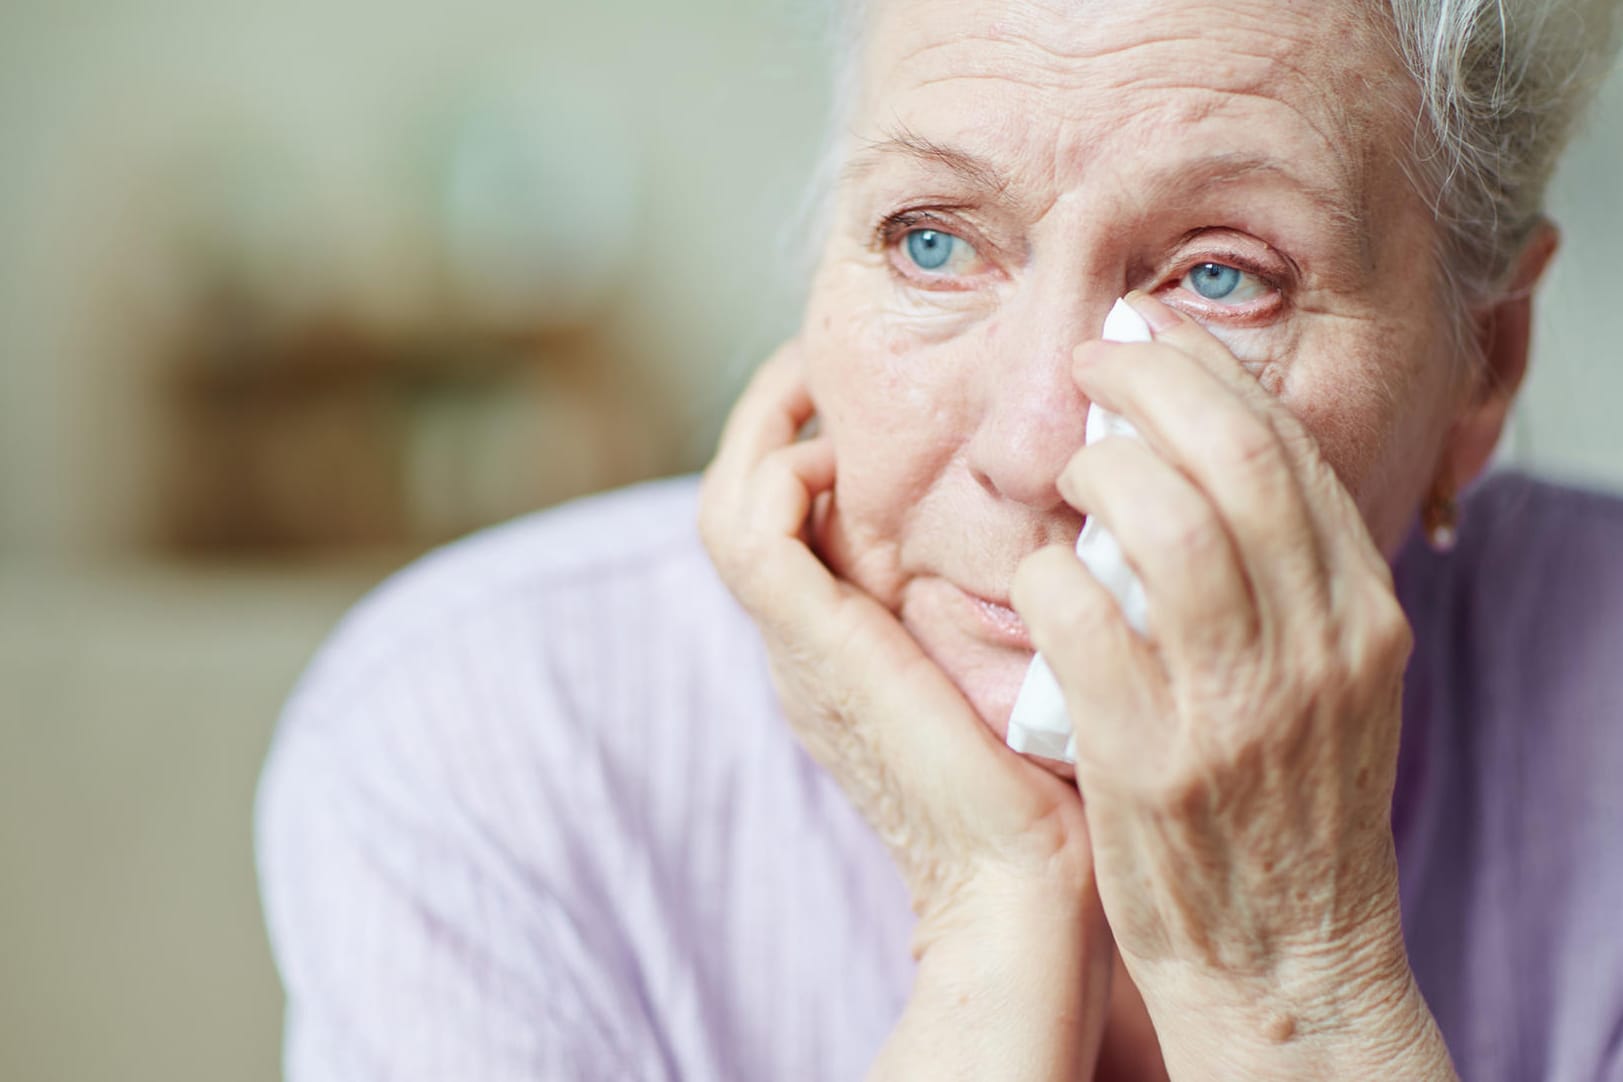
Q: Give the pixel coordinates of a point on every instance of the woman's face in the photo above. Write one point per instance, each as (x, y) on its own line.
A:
(1014, 168)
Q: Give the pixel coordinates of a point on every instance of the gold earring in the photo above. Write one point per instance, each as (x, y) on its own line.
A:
(1440, 517)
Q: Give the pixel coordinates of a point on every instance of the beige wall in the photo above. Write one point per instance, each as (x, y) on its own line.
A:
(104, 108)
(137, 709)
(1568, 423)
(138, 699)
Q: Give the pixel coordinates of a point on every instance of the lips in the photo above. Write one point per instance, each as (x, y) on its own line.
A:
(1004, 623)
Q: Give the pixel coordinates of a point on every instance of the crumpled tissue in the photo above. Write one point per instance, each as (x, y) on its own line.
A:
(1039, 724)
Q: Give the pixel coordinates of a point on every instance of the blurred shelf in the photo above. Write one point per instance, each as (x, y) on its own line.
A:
(333, 439)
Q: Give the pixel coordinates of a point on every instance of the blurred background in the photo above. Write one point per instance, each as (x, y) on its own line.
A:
(291, 292)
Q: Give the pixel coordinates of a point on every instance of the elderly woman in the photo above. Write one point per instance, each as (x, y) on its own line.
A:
(556, 805)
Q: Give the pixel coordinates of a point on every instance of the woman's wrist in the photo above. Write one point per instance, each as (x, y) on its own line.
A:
(1362, 1018)
(1012, 983)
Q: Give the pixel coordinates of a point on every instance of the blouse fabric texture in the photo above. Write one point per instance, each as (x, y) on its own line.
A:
(534, 813)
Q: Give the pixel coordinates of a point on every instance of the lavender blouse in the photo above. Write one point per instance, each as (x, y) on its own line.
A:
(533, 814)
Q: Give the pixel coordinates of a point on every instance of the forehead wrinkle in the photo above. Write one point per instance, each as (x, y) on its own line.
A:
(1337, 128)
(1021, 48)
(1332, 105)
(1300, 61)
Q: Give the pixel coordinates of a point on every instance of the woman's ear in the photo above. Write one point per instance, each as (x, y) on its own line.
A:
(1503, 333)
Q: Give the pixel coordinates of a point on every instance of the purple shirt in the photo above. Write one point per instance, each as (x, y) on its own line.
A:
(534, 814)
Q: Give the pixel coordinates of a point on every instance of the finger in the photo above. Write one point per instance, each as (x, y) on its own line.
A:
(1200, 599)
(902, 735)
(1174, 328)
(769, 414)
(1112, 681)
(1200, 426)
(774, 575)
(891, 726)
(786, 483)
(1340, 525)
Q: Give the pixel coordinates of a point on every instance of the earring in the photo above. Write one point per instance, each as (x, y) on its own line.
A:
(1440, 517)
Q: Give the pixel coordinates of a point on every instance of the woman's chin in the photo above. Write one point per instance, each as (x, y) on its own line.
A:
(991, 685)
(991, 688)
(988, 672)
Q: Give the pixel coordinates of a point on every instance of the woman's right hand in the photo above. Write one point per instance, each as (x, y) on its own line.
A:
(993, 848)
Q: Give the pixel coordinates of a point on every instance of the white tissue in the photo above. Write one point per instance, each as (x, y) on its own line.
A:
(1039, 724)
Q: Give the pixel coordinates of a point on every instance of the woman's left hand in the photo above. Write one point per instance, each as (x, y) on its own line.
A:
(1238, 761)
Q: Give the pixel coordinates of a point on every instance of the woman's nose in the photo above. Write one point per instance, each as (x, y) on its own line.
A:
(1033, 416)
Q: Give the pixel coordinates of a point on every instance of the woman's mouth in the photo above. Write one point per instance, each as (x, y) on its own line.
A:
(1003, 623)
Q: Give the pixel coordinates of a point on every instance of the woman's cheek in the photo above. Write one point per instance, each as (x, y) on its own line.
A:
(1372, 406)
(889, 352)
(916, 319)
(888, 365)
(889, 398)
(890, 393)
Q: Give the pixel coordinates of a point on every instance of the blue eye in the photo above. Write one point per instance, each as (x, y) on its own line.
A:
(931, 248)
(1221, 282)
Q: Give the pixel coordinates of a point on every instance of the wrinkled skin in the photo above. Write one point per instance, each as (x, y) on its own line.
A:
(1237, 763)
(956, 407)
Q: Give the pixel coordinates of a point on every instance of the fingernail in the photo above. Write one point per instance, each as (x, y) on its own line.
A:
(1157, 315)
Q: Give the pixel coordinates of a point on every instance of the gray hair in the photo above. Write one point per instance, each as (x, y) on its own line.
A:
(1502, 85)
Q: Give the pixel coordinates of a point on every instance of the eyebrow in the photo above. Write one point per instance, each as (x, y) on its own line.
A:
(902, 141)
(981, 174)
(1345, 213)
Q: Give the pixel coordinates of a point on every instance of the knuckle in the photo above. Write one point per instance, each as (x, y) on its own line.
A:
(1079, 618)
(1294, 435)
(1183, 790)
(1317, 669)
(1389, 635)
(770, 472)
(739, 552)
(1248, 443)
(1191, 532)
(780, 466)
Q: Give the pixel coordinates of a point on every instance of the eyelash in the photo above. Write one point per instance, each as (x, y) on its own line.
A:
(894, 228)
(1269, 276)
(1279, 282)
